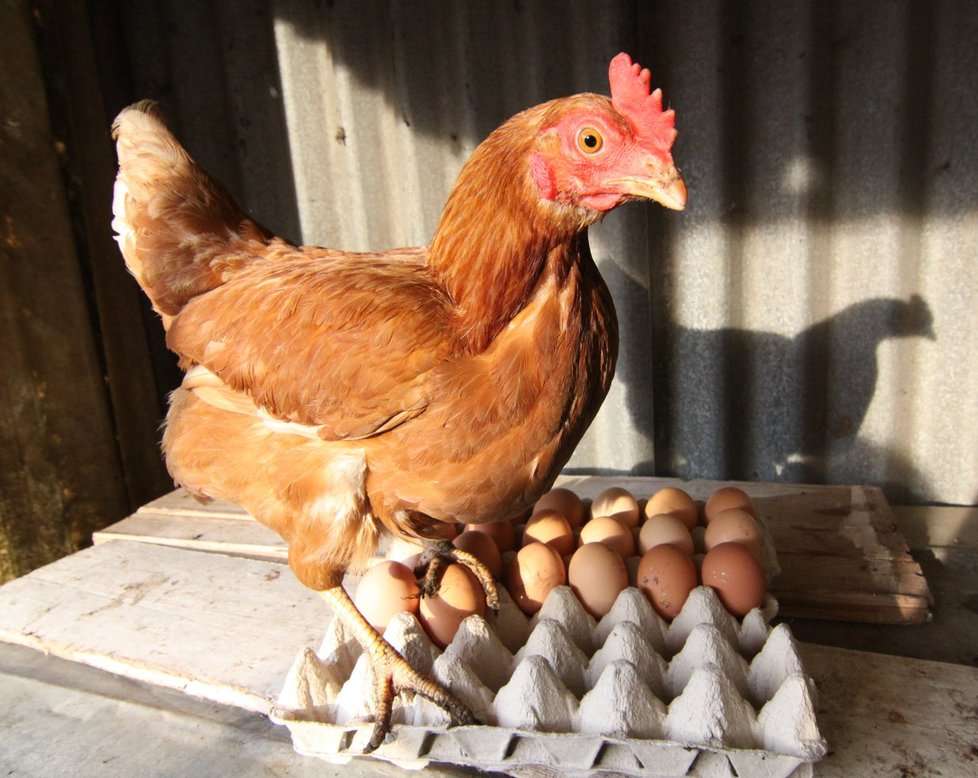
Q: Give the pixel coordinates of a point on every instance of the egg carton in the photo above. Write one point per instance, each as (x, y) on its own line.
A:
(629, 694)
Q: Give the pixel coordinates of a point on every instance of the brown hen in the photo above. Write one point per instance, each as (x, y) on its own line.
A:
(335, 395)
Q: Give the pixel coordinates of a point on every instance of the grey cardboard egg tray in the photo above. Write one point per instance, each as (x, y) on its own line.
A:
(629, 694)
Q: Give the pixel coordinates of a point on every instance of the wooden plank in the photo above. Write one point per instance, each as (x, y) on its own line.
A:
(218, 627)
(213, 533)
(81, 126)
(841, 554)
(643, 487)
(873, 602)
(850, 521)
(803, 572)
(853, 607)
(952, 577)
(60, 476)
(181, 503)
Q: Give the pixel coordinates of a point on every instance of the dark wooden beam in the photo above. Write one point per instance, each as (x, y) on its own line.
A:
(60, 470)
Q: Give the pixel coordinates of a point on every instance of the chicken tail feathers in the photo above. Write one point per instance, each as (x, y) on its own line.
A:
(180, 232)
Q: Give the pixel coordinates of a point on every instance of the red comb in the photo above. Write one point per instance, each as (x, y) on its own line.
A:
(630, 82)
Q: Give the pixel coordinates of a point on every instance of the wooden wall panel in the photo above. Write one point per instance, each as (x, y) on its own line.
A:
(60, 473)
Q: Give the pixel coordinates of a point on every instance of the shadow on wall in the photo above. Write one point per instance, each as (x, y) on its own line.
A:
(739, 404)
(735, 404)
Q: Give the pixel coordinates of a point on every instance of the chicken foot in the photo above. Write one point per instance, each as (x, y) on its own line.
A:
(391, 671)
(443, 554)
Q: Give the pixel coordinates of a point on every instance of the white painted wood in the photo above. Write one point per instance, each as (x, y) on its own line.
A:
(181, 502)
(214, 532)
(219, 627)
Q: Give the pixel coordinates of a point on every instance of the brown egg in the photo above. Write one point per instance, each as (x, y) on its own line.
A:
(500, 531)
(533, 572)
(552, 528)
(483, 548)
(385, 589)
(597, 575)
(664, 528)
(609, 531)
(737, 577)
(725, 498)
(459, 596)
(618, 503)
(666, 575)
(734, 526)
(674, 501)
(565, 502)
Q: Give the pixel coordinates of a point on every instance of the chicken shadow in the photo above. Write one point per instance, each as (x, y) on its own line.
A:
(740, 404)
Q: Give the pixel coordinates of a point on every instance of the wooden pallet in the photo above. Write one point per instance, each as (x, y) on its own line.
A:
(841, 554)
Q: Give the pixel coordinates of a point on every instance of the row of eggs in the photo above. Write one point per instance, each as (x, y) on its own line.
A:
(595, 557)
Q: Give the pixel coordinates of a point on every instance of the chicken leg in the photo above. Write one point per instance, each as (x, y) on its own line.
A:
(391, 671)
(443, 553)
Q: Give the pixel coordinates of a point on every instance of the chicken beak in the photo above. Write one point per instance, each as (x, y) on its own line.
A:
(672, 195)
(666, 187)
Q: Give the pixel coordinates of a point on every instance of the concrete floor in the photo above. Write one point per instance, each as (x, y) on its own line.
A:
(64, 719)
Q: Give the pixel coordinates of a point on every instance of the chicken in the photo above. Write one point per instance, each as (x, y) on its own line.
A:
(337, 395)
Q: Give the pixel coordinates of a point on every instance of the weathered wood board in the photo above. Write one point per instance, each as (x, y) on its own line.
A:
(227, 629)
(841, 555)
(218, 627)
(60, 475)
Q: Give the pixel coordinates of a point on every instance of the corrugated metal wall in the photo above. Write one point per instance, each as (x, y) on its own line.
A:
(809, 317)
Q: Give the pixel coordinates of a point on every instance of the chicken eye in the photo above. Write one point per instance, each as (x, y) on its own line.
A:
(589, 140)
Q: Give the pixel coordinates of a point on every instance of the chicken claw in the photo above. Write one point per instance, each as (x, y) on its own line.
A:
(391, 671)
(444, 553)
